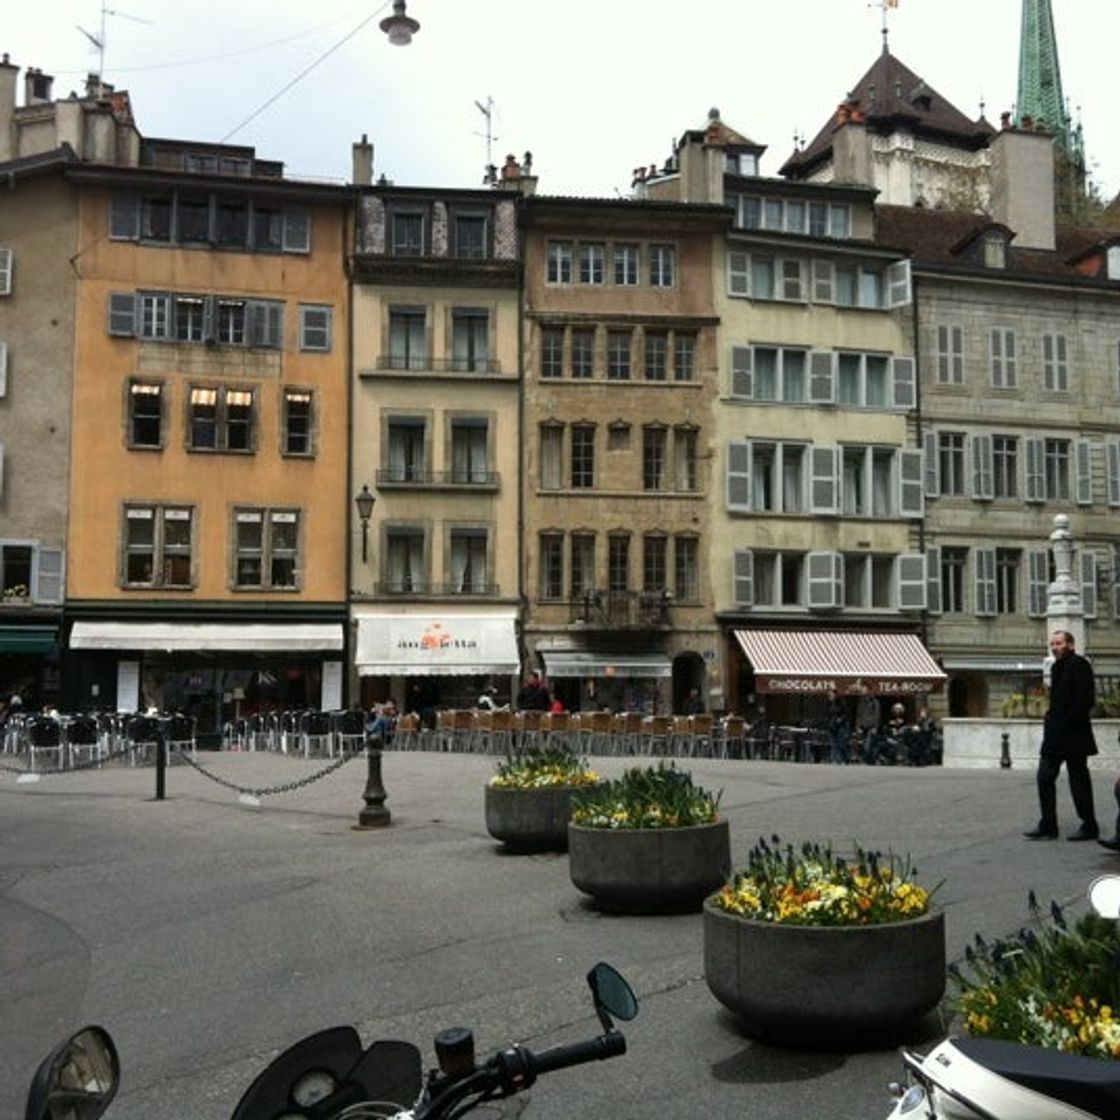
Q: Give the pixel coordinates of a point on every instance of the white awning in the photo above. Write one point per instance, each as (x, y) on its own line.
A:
(592, 663)
(234, 637)
(437, 645)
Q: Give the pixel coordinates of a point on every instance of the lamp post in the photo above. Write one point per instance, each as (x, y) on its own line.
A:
(364, 501)
(399, 27)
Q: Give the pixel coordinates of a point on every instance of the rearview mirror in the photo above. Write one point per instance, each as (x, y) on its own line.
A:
(612, 994)
(77, 1080)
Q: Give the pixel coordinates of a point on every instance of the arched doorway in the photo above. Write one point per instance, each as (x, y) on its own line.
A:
(968, 696)
(688, 673)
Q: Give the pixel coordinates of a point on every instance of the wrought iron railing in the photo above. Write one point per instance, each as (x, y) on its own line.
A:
(634, 609)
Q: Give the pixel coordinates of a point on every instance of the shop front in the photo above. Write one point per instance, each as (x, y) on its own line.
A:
(609, 680)
(29, 661)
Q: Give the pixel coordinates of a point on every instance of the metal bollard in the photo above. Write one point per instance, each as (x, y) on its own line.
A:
(1005, 751)
(161, 766)
(375, 814)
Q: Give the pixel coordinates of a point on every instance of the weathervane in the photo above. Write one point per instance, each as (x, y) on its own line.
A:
(883, 5)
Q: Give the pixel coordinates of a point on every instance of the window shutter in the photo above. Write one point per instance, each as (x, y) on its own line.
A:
(265, 324)
(824, 478)
(124, 217)
(911, 496)
(981, 449)
(1112, 454)
(739, 476)
(1116, 581)
(297, 230)
(1038, 576)
(738, 274)
(898, 284)
(3, 369)
(933, 464)
(1035, 489)
(824, 273)
(7, 261)
(933, 579)
(826, 580)
(743, 582)
(822, 377)
(1, 470)
(50, 584)
(122, 314)
(742, 381)
(1083, 460)
(1089, 583)
(985, 580)
(905, 387)
(911, 569)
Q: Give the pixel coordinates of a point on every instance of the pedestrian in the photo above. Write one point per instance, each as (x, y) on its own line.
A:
(534, 696)
(1067, 736)
(868, 718)
(694, 704)
(839, 730)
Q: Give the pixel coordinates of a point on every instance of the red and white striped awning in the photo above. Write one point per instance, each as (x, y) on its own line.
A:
(807, 661)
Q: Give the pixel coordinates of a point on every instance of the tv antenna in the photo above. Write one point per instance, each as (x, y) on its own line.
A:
(98, 40)
(487, 111)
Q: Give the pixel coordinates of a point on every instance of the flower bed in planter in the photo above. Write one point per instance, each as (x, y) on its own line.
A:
(649, 841)
(814, 949)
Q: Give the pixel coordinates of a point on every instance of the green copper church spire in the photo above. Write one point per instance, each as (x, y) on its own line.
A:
(1040, 80)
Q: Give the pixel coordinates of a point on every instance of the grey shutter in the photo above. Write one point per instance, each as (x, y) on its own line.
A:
(911, 495)
(1083, 463)
(738, 274)
(932, 464)
(124, 217)
(822, 377)
(50, 582)
(933, 579)
(980, 447)
(739, 476)
(984, 581)
(3, 369)
(297, 230)
(1116, 581)
(1089, 583)
(826, 580)
(824, 478)
(1112, 453)
(1035, 489)
(742, 381)
(898, 284)
(743, 578)
(1038, 576)
(265, 323)
(122, 313)
(824, 273)
(904, 383)
(911, 569)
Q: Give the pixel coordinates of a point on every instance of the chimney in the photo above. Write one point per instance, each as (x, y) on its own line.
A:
(851, 150)
(37, 87)
(362, 173)
(8, 76)
(1023, 186)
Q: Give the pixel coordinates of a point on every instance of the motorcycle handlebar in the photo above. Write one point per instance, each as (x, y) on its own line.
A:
(608, 1045)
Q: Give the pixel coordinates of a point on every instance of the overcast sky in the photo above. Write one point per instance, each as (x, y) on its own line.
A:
(594, 88)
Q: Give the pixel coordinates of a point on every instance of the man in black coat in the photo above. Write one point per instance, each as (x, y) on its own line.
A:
(1067, 737)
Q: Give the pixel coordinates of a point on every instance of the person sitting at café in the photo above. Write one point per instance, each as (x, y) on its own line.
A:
(534, 696)
(379, 729)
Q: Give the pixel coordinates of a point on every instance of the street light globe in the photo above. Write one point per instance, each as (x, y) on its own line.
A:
(400, 27)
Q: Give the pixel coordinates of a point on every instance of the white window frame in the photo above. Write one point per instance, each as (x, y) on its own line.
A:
(984, 581)
(824, 578)
(1004, 374)
(981, 474)
(1055, 365)
(7, 267)
(316, 337)
(889, 374)
(949, 354)
(559, 262)
(742, 577)
(662, 259)
(267, 518)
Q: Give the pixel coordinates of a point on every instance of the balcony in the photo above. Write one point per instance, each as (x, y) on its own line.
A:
(409, 478)
(422, 589)
(634, 610)
(421, 363)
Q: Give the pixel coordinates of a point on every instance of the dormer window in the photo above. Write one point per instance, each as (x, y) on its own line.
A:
(995, 251)
(745, 163)
(1113, 262)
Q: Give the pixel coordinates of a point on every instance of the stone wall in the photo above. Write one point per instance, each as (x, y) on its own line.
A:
(976, 743)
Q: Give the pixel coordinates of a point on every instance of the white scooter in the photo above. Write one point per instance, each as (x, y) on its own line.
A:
(988, 1079)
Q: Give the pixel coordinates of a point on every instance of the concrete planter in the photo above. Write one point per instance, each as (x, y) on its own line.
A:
(530, 820)
(650, 869)
(806, 985)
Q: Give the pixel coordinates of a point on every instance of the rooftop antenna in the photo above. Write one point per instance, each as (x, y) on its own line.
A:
(487, 111)
(98, 40)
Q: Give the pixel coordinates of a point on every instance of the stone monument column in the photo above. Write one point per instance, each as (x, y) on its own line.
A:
(1064, 610)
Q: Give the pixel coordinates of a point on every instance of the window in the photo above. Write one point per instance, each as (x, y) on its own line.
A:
(559, 262)
(762, 277)
(192, 220)
(618, 563)
(405, 571)
(1003, 358)
(552, 566)
(1005, 466)
(470, 451)
(686, 569)
(777, 477)
(793, 280)
(552, 352)
(155, 315)
(662, 265)
(406, 234)
(552, 456)
(472, 236)
(953, 562)
(653, 458)
(408, 456)
(177, 317)
(469, 569)
(656, 355)
(1055, 370)
(145, 414)
(583, 456)
(995, 251)
(684, 357)
(1008, 561)
(155, 217)
(779, 375)
(1055, 465)
(408, 338)
(267, 549)
(17, 567)
(157, 546)
(6, 262)
(684, 446)
(626, 258)
(470, 339)
(618, 355)
(950, 355)
(583, 353)
(232, 223)
(863, 380)
(220, 419)
(655, 551)
(951, 467)
(315, 327)
(295, 436)
(190, 319)
(230, 322)
(583, 564)
(592, 263)
(268, 227)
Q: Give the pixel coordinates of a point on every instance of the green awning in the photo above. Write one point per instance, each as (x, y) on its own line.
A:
(28, 639)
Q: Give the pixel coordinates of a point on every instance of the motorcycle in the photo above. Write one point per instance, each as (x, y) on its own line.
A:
(328, 1075)
(990, 1079)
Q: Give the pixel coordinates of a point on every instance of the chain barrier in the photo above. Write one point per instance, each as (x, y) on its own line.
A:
(90, 764)
(267, 791)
